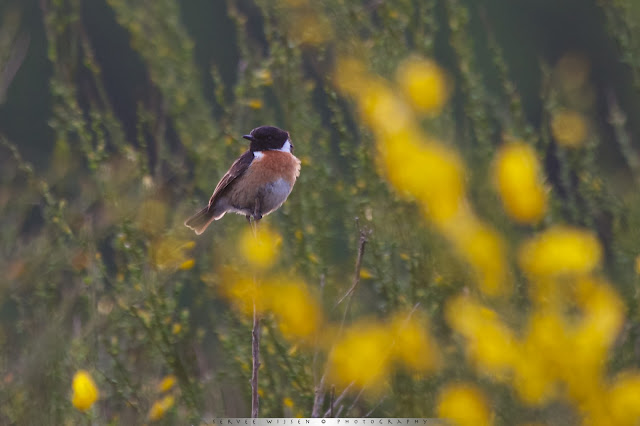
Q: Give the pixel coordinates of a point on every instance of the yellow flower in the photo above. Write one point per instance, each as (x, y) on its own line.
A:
(260, 249)
(160, 407)
(491, 345)
(361, 356)
(428, 171)
(517, 177)
(255, 103)
(569, 128)
(297, 312)
(591, 338)
(170, 253)
(365, 274)
(464, 404)
(385, 112)
(176, 328)
(531, 380)
(187, 264)
(534, 377)
(413, 344)
(85, 392)
(623, 399)
(264, 77)
(288, 402)
(482, 247)
(560, 250)
(424, 84)
(167, 383)
(242, 291)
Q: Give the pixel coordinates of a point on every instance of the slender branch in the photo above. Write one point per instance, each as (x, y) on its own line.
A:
(255, 354)
(338, 400)
(618, 120)
(319, 398)
(375, 407)
(255, 340)
(355, 401)
(319, 393)
(364, 233)
(332, 401)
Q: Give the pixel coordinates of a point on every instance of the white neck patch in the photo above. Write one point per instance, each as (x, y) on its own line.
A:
(285, 148)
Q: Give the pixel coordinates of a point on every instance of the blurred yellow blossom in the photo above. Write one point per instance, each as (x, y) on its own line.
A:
(242, 291)
(424, 84)
(85, 391)
(167, 383)
(535, 377)
(261, 248)
(168, 253)
(288, 402)
(592, 337)
(176, 329)
(464, 404)
(560, 250)
(413, 345)
(518, 178)
(491, 345)
(429, 172)
(483, 248)
(160, 407)
(569, 128)
(263, 75)
(361, 356)
(623, 394)
(423, 168)
(255, 103)
(381, 108)
(187, 264)
(365, 274)
(296, 310)
(637, 264)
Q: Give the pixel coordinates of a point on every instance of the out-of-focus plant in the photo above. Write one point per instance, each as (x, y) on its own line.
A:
(498, 281)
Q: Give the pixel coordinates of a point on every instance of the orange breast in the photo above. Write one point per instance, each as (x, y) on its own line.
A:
(270, 167)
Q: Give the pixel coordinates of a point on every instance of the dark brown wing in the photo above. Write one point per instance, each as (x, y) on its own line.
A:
(236, 170)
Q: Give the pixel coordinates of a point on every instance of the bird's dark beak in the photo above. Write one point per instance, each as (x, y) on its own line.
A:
(249, 137)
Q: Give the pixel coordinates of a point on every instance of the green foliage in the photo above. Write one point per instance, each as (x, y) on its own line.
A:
(94, 255)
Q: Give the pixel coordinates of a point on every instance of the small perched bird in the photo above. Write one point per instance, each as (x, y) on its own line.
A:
(257, 183)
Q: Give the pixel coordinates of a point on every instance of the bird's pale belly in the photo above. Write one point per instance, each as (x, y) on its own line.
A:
(265, 198)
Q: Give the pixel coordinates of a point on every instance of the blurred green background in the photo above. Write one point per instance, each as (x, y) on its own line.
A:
(117, 119)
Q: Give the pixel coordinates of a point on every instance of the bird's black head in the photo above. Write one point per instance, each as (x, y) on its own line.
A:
(268, 137)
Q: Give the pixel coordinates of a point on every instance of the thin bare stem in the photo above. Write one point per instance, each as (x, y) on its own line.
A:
(255, 342)
(320, 394)
(364, 233)
(375, 407)
(338, 400)
(618, 120)
(332, 401)
(255, 354)
(319, 398)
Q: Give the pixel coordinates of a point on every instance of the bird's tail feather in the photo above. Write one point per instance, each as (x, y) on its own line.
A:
(199, 221)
